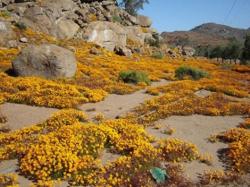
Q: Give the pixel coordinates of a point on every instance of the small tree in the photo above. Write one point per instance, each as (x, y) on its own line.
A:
(246, 50)
(132, 6)
(216, 52)
(235, 51)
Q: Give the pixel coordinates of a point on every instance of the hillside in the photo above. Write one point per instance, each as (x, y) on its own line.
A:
(86, 101)
(208, 34)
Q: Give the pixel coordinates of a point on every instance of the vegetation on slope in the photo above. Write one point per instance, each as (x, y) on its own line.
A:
(68, 147)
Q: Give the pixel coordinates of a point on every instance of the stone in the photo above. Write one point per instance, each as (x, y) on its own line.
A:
(64, 29)
(47, 60)
(95, 51)
(6, 33)
(36, 19)
(188, 51)
(144, 21)
(123, 51)
(61, 5)
(106, 34)
(23, 40)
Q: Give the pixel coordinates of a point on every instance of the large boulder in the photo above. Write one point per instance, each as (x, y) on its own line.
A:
(144, 21)
(6, 33)
(106, 34)
(64, 29)
(47, 60)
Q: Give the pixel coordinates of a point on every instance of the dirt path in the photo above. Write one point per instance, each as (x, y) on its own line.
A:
(116, 105)
(197, 129)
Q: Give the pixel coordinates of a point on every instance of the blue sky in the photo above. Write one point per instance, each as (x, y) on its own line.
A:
(172, 15)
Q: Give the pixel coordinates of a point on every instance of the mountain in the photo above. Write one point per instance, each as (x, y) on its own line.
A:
(208, 34)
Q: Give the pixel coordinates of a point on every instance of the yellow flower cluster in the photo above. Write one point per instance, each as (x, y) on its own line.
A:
(175, 150)
(6, 55)
(8, 180)
(133, 169)
(15, 143)
(64, 148)
(234, 135)
(239, 148)
(64, 117)
(41, 92)
(246, 124)
(179, 98)
(239, 154)
(126, 137)
(62, 153)
(36, 37)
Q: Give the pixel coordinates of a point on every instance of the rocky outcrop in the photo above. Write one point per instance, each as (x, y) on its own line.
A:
(52, 17)
(99, 21)
(6, 33)
(106, 34)
(143, 21)
(49, 61)
(187, 51)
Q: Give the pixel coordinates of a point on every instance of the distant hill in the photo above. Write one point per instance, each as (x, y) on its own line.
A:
(208, 34)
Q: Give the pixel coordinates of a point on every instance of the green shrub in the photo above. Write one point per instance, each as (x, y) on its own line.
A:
(158, 55)
(195, 73)
(134, 77)
(21, 25)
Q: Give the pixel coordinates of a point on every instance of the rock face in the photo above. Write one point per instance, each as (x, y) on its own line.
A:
(143, 21)
(106, 34)
(6, 33)
(51, 17)
(102, 22)
(49, 61)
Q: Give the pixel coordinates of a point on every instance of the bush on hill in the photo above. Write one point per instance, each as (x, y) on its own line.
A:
(194, 73)
(134, 77)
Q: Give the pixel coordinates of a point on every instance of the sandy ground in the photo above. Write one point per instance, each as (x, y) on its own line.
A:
(197, 129)
(116, 105)
(108, 157)
(20, 116)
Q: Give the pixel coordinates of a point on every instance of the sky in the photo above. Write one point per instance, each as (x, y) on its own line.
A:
(172, 15)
